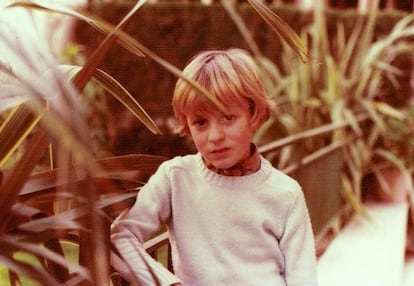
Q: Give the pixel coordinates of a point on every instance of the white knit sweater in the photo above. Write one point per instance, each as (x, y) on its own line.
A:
(248, 230)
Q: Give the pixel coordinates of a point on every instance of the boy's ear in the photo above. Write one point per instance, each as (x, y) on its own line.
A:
(259, 115)
(257, 119)
(256, 122)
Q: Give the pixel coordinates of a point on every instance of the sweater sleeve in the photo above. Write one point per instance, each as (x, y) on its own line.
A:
(151, 210)
(297, 244)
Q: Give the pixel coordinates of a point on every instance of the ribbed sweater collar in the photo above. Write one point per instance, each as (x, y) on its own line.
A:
(248, 181)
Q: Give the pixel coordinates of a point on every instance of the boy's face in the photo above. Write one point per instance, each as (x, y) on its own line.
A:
(223, 139)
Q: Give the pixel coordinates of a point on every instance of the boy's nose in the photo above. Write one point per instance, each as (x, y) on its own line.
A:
(216, 133)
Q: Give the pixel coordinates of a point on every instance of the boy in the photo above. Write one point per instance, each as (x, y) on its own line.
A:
(232, 218)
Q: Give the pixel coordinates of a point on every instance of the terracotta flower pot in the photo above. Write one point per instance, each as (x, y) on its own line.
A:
(391, 185)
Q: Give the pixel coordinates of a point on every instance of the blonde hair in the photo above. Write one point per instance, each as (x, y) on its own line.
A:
(230, 76)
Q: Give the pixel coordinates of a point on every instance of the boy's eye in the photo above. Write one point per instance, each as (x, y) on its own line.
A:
(228, 117)
(200, 122)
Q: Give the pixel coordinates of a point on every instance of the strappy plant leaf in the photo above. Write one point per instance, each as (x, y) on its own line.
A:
(19, 175)
(119, 92)
(15, 129)
(124, 39)
(286, 33)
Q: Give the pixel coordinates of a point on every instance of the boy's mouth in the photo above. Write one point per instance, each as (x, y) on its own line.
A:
(220, 151)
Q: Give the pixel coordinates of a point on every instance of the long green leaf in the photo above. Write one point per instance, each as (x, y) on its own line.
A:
(9, 97)
(124, 39)
(71, 219)
(352, 199)
(20, 174)
(112, 167)
(121, 93)
(19, 123)
(37, 274)
(97, 56)
(389, 111)
(282, 29)
(34, 249)
(237, 19)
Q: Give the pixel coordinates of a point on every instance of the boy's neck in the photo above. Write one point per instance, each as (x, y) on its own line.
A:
(247, 166)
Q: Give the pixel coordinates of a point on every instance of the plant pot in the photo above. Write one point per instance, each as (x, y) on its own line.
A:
(391, 185)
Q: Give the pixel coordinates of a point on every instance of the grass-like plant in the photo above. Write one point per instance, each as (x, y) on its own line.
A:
(73, 200)
(345, 84)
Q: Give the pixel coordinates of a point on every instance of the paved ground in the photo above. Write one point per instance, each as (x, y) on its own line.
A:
(408, 276)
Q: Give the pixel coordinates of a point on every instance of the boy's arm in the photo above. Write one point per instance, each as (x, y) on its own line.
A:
(298, 246)
(129, 231)
(140, 269)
